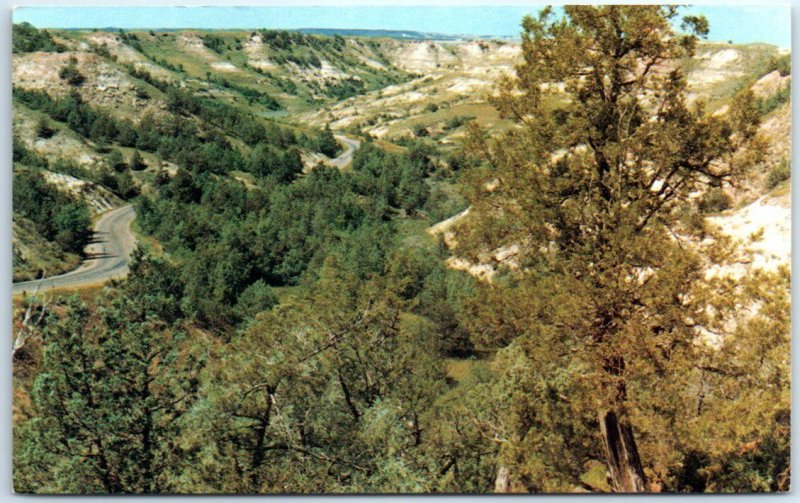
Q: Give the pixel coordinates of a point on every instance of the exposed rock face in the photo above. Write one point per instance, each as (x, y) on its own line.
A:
(106, 86)
(770, 84)
(98, 198)
(764, 228)
(715, 66)
(451, 73)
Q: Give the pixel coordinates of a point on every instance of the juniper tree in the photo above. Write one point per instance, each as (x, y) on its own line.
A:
(109, 402)
(588, 185)
(137, 163)
(327, 391)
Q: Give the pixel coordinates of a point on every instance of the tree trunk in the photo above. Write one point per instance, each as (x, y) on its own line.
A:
(622, 455)
(146, 464)
(111, 482)
(348, 398)
(501, 482)
(148, 477)
(260, 434)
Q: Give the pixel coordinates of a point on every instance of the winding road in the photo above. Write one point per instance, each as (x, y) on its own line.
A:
(107, 256)
(346, 157)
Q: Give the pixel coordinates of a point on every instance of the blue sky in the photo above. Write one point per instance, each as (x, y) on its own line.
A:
(740, 24)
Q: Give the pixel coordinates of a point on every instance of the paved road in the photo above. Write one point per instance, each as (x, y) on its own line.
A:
(107, 255)
(346, 157)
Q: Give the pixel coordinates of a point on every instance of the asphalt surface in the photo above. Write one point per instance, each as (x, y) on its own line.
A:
(346, 157)
(107, 256)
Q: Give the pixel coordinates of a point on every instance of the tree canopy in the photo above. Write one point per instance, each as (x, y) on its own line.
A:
(601, 323)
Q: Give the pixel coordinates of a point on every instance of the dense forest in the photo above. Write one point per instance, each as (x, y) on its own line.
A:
(294, 329)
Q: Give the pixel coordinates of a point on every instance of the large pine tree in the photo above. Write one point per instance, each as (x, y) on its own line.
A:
(591, 187)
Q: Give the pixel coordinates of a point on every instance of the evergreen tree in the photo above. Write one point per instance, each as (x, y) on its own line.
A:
(136, 163)
(327, 144)
(26, 38)
(327, 391)
(116, 162)
(43, 128)
(109, 403)
(608, 297)
(71, 74)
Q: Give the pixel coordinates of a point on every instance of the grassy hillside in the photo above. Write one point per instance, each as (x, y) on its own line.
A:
(104, 121)
(34, 256)
(218, 94)
(274, 70)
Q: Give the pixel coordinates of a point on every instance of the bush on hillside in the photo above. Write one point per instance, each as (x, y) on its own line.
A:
(43, 129)
(781, 63)
(420, 130)
(58, 216)
(116, 162)
(26, 38)
(779, 174)
(714, 201)
(457, 121)
(137, 163)
(775, 100)
(71, 74)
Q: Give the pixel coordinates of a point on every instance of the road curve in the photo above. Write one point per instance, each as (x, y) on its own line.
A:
(346, 157)
(107, 256)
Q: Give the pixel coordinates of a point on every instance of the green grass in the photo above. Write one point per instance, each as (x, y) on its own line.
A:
(483, 113)
(149, 243)
(40, 255)
(197, 64)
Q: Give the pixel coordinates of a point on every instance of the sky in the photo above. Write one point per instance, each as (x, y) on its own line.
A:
(739, 24)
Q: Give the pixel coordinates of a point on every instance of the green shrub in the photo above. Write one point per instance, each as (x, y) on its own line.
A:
(72, 223)
(116, 162)
(441, 204)
(71, 74)
(775, 100)
(420, 131)
(142, 93)
(714, 201)
(457, 121)
(344, 89)
(256, 298)
(214, 43)
(781, 63)
(26, 38)
(43, 129)
(126, 187)
(324, 142)
(102, 50)
(22, 155)
(137, 164)
(71, 168)
(779, 174)
(58, 216)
